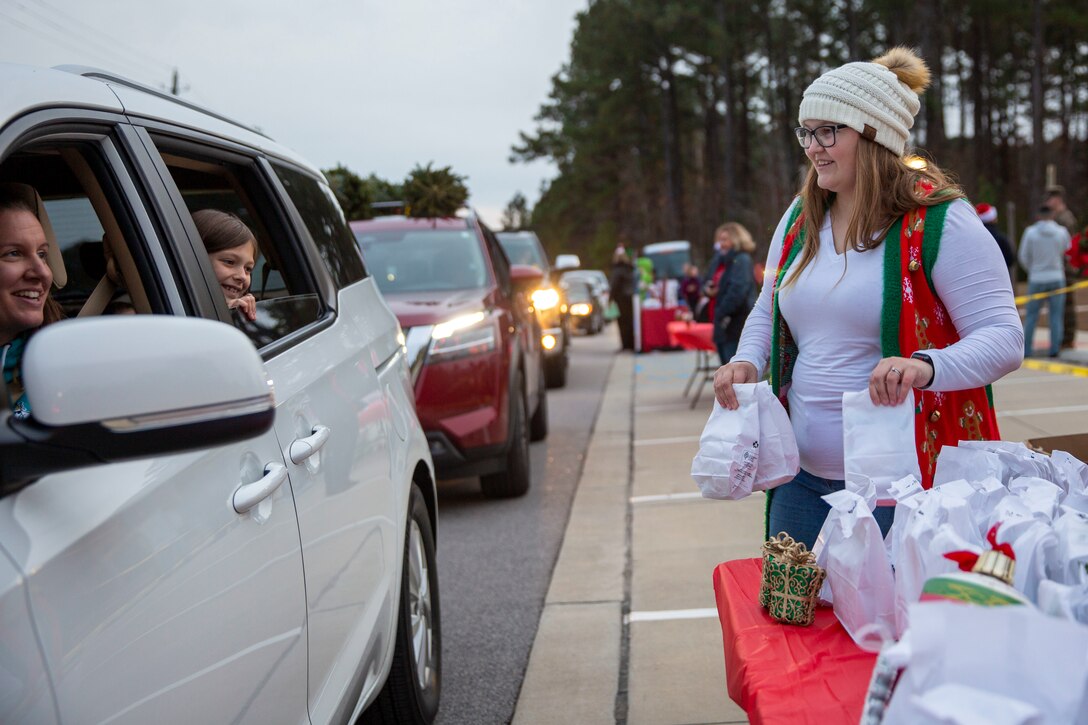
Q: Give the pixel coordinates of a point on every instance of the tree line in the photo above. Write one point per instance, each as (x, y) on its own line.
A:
(425, 192)
(671, 116)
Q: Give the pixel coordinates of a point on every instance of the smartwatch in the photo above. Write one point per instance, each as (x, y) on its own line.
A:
(926, 358)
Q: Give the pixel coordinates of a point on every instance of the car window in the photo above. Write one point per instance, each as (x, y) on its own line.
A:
(424, 259)
(523, 250)
(282, 282)
(102, 247)
(325, 221)
(500, 261)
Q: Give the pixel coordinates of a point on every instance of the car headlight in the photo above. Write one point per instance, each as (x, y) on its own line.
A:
(545, 298)
(580, 309)
(464, 335)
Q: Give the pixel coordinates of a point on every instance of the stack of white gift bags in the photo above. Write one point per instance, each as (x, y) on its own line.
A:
(748, 449)
(987, 495)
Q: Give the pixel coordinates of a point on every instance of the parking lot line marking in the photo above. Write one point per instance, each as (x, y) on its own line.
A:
(1044, 411)
(658, 498)
(666, 441)
(662, 406)
(670, 614)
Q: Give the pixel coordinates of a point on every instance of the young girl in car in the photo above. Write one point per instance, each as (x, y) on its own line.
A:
(232, 249)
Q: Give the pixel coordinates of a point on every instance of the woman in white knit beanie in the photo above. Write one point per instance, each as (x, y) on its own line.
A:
(880, 277)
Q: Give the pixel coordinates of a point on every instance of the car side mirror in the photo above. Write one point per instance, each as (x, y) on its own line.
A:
(118, 387)
(526, 278)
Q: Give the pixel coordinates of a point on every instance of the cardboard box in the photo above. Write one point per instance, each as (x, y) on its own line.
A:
(1076, 444)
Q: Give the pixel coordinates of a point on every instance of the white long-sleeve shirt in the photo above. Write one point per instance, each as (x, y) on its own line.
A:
(834, 310)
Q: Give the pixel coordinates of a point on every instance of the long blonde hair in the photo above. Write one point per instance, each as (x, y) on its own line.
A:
(742, 239)
(885, 190)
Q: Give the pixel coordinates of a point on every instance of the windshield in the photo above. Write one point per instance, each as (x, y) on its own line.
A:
(669, 265)
(523, 250)
(423, 260)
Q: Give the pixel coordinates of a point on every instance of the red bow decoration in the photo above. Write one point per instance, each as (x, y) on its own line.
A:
(966, 559)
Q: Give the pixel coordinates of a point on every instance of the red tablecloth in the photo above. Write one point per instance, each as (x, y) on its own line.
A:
(781, 673)
(691, 335)
(654, 327)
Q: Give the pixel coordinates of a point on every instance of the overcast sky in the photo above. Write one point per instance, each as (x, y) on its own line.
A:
(377, 85)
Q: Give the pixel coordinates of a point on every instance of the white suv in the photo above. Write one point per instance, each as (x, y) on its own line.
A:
(205, 519)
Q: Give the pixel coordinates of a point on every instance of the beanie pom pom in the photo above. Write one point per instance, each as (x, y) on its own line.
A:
(907, 66)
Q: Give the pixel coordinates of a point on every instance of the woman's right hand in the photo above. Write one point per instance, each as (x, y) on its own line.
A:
(727, 376)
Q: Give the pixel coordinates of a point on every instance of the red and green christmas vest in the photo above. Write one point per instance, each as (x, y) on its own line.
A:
(912, 319)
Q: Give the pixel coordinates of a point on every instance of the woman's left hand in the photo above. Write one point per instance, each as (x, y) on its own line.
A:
(893, 377)
(247, 304)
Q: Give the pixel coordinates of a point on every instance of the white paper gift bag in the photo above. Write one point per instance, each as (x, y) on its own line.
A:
(919, 557)
(779, 460)
(1016, 652)
(1064, 601)
(1036, 547)
(725, 466)
(968, 464)
(1016, 459)
(1039, 495)
(1071, 528)
(878, 444)
(860, 576)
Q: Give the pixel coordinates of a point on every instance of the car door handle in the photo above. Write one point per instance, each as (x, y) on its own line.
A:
(250, 494)
(303, 448)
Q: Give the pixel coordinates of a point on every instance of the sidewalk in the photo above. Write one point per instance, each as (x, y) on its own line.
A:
(629, 632)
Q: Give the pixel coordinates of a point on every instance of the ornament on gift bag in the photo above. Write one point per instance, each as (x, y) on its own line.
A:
(984, 578)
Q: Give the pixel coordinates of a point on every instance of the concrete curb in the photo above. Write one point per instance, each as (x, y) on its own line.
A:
(574, 667)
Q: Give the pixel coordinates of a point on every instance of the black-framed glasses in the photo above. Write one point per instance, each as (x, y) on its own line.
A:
(824, 135)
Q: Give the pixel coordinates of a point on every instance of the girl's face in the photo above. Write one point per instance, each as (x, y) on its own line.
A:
(234, 267)
(725, 242)
(25, 277)
(836, 169)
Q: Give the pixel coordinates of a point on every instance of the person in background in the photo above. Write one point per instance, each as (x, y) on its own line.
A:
(988, 215)
(621, 290)
(736, 289)
(690, 287)
(232, 249)
(1055, 200)
(1042, 255)
(28, 256)
(884, 280)
(715, 269)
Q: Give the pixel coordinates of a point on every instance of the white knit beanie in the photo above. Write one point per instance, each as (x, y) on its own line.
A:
(881, 95)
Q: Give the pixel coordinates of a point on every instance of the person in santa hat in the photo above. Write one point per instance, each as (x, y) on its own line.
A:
(988, 215)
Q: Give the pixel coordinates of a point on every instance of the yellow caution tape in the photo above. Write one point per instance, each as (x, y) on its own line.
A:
(1043, 295)
(1056, 368)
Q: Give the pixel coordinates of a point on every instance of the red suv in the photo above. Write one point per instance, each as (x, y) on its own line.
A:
(473, 340)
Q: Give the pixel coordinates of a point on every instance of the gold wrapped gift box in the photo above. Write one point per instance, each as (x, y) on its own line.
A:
(791, 581)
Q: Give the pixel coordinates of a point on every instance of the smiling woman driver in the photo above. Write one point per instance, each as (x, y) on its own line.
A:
(28, 256)
(884, 278)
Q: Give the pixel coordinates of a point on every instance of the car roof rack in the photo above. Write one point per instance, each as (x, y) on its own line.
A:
(104, 75)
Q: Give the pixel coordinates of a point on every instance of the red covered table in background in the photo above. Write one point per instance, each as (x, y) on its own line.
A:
(781, 673)
(697, 336)
(654, 327)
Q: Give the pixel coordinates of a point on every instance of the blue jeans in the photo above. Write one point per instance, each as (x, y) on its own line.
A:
(726, 349)
(1055, 314)
(797, 509)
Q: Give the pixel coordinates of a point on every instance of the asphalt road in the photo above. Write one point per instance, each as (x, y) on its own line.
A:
(495, 558)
